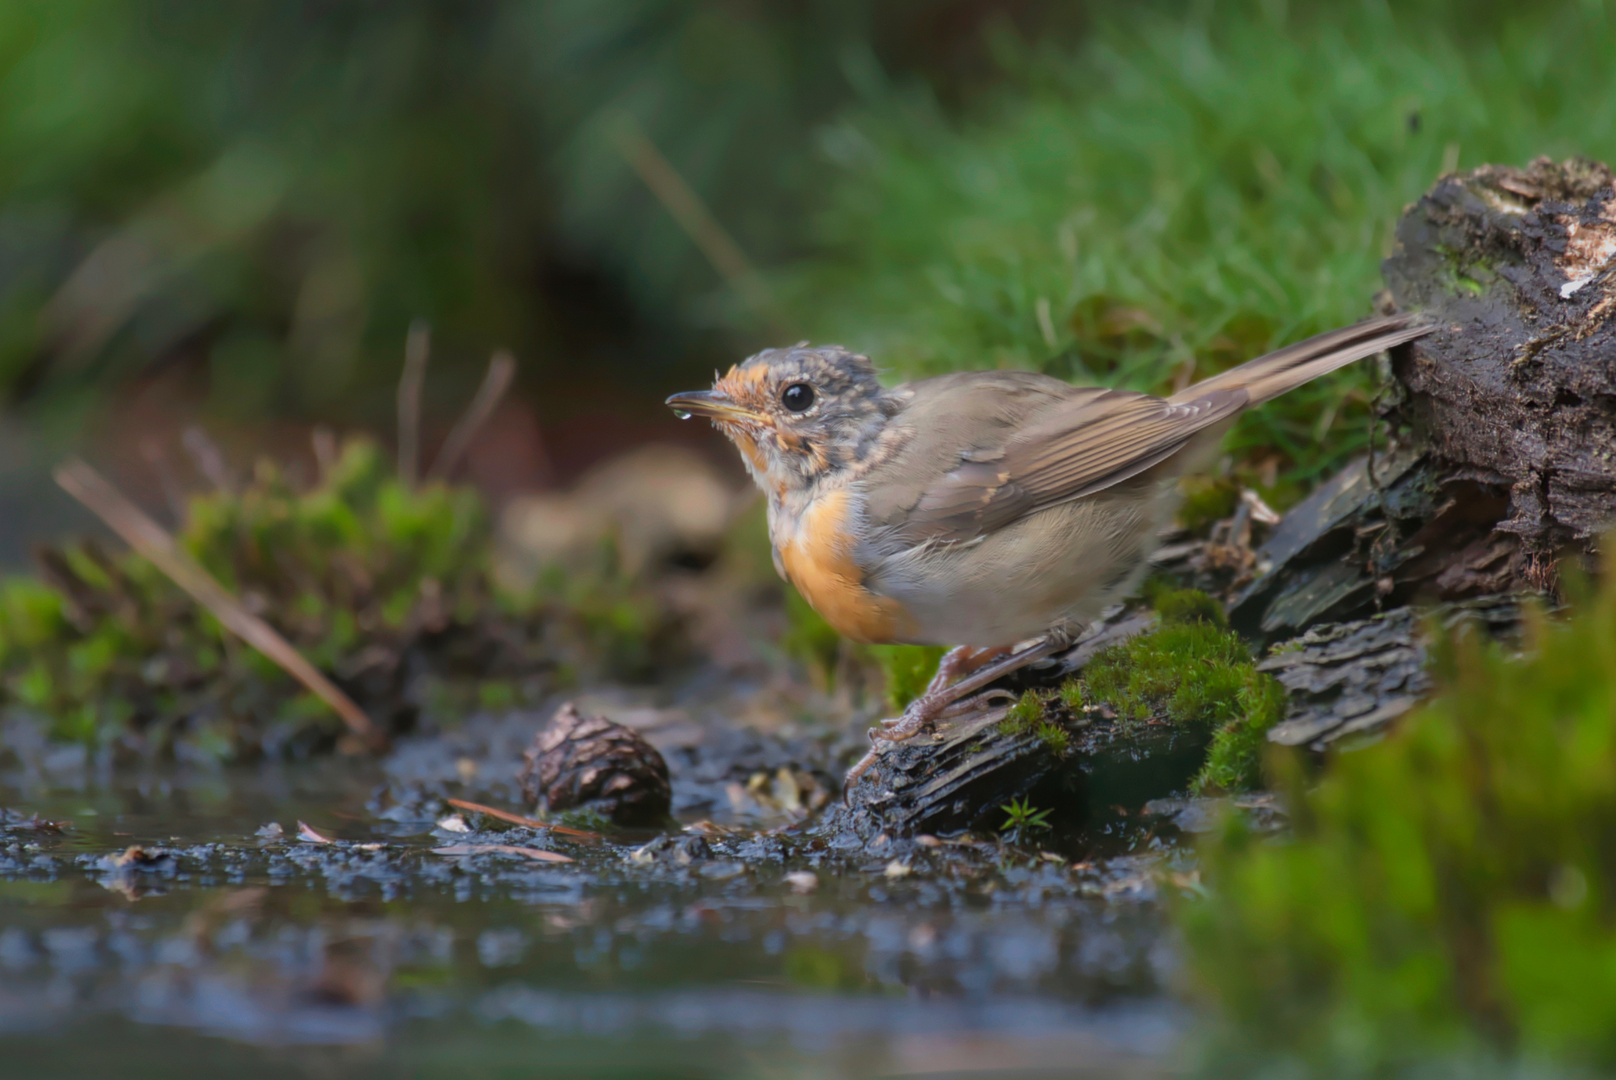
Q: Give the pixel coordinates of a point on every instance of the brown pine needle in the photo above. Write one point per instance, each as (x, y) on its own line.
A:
(518, 819)
(154, 542)
(505, 849)
(208, 457)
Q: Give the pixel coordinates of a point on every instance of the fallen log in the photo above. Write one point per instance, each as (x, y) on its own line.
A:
(961, 778)
(1519, 266)
(1504, 419)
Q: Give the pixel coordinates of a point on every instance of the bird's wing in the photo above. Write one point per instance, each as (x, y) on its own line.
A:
(990, 448)
(1077, 448)
(949, 417)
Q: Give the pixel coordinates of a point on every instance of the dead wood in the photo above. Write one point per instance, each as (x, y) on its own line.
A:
(1352, 680)
(1519, 387)
(961, 778)
(1505, 457)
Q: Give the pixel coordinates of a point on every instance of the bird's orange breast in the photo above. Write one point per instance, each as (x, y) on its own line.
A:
(818, 560)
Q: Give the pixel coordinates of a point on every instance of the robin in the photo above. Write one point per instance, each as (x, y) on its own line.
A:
(998, 512)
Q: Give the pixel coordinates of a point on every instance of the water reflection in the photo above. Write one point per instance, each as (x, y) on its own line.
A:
(168, 907)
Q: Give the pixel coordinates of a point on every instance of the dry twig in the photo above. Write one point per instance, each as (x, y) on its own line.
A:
(208, 457)
(417, 349)
(505, 849)
(698, 222)
(501, 373)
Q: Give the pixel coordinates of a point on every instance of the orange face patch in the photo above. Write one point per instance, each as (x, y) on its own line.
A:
(818, 561)
(747, 387)
(744, 385)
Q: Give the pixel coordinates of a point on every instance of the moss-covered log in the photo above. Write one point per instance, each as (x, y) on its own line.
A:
(964, 777)
(1149, 704)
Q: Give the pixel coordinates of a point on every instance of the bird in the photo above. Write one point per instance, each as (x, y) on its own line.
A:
(995, 512)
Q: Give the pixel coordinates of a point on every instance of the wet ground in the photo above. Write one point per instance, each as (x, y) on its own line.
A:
(399, 936)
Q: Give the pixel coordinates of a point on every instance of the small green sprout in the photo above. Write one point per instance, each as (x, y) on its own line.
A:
(1021, 818)
(1071, 695)
(1028, 717)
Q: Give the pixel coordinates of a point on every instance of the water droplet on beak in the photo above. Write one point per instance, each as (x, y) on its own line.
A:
(683, 414)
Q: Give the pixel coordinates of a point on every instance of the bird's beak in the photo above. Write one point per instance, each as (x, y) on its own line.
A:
(713, 403)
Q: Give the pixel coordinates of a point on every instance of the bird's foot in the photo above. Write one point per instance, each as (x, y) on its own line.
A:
(922, 714)
(952, 691)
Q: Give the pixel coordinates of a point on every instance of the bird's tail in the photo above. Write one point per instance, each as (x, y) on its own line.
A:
(1272, 375)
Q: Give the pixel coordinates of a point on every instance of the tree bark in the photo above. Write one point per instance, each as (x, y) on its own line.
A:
(1504, 458)
(1519, 386)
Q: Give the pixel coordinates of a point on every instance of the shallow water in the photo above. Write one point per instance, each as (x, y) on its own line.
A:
(685, 955)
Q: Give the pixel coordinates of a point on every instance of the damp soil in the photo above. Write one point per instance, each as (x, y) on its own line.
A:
(391, 938)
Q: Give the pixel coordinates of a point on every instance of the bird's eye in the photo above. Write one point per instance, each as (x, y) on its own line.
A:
(797, 397)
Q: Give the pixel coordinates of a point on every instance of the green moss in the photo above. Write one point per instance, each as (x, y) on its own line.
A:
(1234, 759)
(1029, 715)
(1185, 672)
(109, 649)
(1055, 738)
(1188, 606)
(493, 694)
(1448, 890)
(1193, 672)
(1036, 228)
(1071, 695)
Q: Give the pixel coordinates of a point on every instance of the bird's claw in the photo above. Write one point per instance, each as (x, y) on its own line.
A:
(921, 716)
(952, 692)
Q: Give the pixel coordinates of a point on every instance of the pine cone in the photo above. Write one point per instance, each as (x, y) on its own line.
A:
(589, 761)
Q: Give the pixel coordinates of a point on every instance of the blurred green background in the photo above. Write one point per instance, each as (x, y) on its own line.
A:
(232, 212)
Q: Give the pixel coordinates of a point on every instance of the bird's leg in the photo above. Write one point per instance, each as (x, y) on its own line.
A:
(941, 696)
(928, 706)
(955, 664)
(981, 701)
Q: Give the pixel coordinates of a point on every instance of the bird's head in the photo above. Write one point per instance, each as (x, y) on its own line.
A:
(798, 415)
